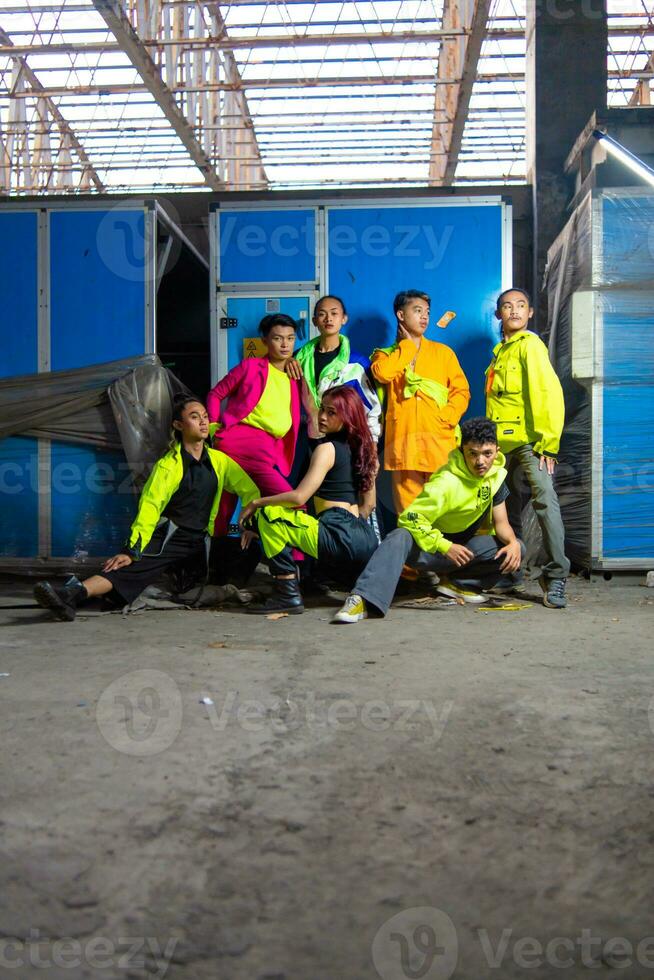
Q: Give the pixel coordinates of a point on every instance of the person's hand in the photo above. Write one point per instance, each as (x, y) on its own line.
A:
(118, 561)
(247, 537)
(293, 369)
(510, 557)
(459, 554)
(549, 462)
(247, 513)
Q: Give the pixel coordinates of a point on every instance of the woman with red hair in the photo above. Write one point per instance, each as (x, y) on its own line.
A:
(341, 480)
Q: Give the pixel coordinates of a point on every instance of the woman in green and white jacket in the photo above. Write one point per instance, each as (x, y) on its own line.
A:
(328, 361)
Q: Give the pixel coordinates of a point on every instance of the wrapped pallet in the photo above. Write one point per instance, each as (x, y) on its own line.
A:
(600, 283)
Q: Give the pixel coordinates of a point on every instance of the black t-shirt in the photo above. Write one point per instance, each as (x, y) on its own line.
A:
(460, 537)
(320, 360)
(338, 483)
(190, 505)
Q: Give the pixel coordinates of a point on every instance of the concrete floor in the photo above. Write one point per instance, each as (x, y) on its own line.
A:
(446, 793)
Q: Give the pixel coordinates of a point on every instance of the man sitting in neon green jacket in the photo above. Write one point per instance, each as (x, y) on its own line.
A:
(524, 397)
(176, 513)
(458, 523)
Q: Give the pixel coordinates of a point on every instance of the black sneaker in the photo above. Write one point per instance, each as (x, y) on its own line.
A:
(553, 592)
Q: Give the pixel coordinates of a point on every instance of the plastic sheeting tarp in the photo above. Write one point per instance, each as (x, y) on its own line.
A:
(123, 404)
(600, 283)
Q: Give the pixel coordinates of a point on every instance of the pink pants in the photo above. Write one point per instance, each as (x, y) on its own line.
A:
(256, 452)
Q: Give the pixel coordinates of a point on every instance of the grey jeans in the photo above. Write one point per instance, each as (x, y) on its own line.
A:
(524, 476)
(378, 581)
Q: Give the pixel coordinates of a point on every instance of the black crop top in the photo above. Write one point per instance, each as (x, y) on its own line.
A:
(338, 483)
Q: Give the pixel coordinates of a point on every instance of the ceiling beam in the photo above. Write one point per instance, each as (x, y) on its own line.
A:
(641, 94)
(233, 74)
(278, 83)
(227, 42)
(118, 23)
(457, 57)
(62, 124)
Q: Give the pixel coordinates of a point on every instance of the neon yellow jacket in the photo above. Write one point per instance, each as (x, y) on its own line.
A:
(451, 500)
(524, 395)
(164, 480)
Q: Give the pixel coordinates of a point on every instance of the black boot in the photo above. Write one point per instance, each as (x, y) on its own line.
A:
(286, 598)
(61, 602)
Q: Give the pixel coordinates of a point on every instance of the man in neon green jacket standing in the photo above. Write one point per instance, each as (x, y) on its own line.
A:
(524, 398)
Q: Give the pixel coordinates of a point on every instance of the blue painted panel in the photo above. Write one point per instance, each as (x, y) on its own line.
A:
(93, 503)
(628, 424)
(250, 311)
(623, 241)
(19, 500)
(267, 246)
(452, 253)
(19, 291)
(97, 269)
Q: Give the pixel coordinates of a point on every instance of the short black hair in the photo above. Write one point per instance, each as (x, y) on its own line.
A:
(403, 298)
(512, 289)
(478, 430)
(276, 320)
(330, 296)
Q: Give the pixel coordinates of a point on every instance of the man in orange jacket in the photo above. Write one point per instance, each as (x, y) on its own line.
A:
(426, 395)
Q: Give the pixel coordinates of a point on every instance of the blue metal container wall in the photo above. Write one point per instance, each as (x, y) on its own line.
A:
(97, 286)
(93, 501)
(97, 313)
(19, 498)
(452, 253)
(268, 246)
(19, 291)
(19, 502)
(97, 262)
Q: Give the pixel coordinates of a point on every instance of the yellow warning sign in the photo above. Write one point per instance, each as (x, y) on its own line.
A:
(254, 347)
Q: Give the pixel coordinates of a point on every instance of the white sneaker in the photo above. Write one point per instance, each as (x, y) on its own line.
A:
(352, 611)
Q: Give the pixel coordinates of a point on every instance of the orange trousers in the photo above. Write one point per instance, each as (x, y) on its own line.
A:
(406, 485)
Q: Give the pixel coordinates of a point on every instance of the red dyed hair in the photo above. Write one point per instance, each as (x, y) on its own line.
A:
(349, 406)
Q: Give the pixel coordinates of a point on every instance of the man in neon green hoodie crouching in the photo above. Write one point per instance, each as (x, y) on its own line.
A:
(458, 524)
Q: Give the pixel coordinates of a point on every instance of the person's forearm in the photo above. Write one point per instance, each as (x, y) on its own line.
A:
(290, 499)
(505, 533)
(367, 502)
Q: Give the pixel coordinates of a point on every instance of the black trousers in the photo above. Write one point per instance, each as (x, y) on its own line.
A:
(345, 545)
(161, 553)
